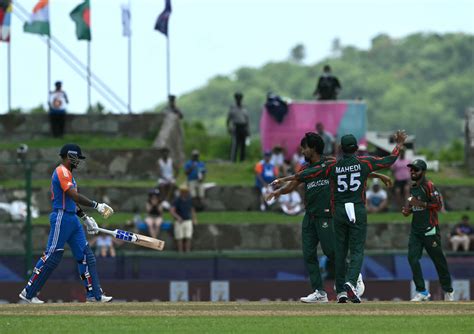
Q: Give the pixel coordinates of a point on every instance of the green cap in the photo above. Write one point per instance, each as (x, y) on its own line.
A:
(418, 164)
(349, 141)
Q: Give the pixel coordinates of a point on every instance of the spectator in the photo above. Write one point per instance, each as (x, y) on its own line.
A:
(298, 159)
(276, 107)
(265, 173)
(328, 86)
(238, 126)
(154, 213)
(376, 198)
(278, 158)
(166, 178)
(57, 110)
(137, 222)
(185, 218)
(104, 245)
(462, 235)
(291, 203)
(196, 172)
(401, 174)
(172, 108)
(329, 141)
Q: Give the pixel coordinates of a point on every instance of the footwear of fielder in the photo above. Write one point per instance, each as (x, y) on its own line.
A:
(342, 297)
(449, 296)
(351, 293)
(34, 300)
(421, 296)
(360, 286)
(315, 297)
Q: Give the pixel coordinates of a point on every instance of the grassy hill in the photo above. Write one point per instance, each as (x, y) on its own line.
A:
(420, 82)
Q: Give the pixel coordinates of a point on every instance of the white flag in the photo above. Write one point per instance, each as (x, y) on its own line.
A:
(126, 17)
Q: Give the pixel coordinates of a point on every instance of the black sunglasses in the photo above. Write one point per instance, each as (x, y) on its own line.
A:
(415, 169)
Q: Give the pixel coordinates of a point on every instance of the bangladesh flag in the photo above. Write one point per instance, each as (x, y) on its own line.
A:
(81, 16)
(39, 20)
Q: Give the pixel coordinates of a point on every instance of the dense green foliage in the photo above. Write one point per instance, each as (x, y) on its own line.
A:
(422, 83)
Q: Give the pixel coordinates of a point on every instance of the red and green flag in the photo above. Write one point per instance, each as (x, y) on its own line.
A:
(39, 19)
(5, 20)
(81, 16)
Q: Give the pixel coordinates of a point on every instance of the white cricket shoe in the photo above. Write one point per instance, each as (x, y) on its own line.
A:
(360, 286)
(34, 300)
(315, 297)
(351, 293)
(103, 299)
(342, 297)
(449, 296)
(421, 296)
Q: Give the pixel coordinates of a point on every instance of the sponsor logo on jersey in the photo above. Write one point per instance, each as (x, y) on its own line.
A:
(348, 169)
(319, 183)
(325, 224)
(435, 244)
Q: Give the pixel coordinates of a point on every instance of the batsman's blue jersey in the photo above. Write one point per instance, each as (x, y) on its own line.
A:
(61, 181)
(65, 225)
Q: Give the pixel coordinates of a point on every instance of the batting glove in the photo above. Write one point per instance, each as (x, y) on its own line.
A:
(92, 227)
(104, 209)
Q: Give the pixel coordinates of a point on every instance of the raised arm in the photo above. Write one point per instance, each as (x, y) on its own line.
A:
(384, 178)
(376, 163)
(286, 189)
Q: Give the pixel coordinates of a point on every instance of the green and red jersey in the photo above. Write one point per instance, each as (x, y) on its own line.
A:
(317, 190)
(424, 219)
(348, 176)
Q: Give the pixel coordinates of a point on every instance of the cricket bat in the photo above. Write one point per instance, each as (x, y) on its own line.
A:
(134, 238)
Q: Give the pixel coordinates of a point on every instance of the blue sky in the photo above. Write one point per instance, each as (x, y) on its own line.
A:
(207, 37)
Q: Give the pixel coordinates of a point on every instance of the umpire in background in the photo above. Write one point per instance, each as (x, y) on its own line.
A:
(238, 127)
(424, 203)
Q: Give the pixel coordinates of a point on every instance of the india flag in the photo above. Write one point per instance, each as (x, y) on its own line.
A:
(39, 20)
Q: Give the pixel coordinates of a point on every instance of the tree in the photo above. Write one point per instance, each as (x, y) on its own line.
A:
(298, 53)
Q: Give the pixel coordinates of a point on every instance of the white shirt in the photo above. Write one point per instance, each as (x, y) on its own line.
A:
(166, 168)
(376, 198)
(57, 100)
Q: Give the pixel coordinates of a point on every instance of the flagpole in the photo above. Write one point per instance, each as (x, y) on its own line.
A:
(168, 62)
(129, 61)
(9, 70)
(49, 67)
(89, 74)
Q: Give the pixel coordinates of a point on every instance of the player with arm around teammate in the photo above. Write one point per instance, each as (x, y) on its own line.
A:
(317, 225)
(65, 228)
(348, 178)
(424, 203)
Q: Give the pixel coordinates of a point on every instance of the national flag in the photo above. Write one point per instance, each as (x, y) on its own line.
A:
(81, 15)
(5, 19)
(39, 19)
(162, 21)
(126, 18)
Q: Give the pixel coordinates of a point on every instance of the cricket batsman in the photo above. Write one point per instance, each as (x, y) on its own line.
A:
(317, 225)
(424, 203)
(65, 227)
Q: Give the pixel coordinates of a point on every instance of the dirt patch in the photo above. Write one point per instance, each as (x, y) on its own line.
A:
(250, 309)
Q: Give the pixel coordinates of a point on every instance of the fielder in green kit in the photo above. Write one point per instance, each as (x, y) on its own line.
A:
(424, 203)
(348, 178)
(317, 225)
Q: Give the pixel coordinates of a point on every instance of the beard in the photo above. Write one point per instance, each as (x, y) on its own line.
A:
(416, 177)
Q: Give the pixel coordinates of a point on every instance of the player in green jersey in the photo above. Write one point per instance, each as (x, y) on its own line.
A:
(424, 203)
(317, 225)
(348, 178)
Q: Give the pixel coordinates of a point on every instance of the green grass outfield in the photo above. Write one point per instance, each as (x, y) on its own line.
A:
(233, 317)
